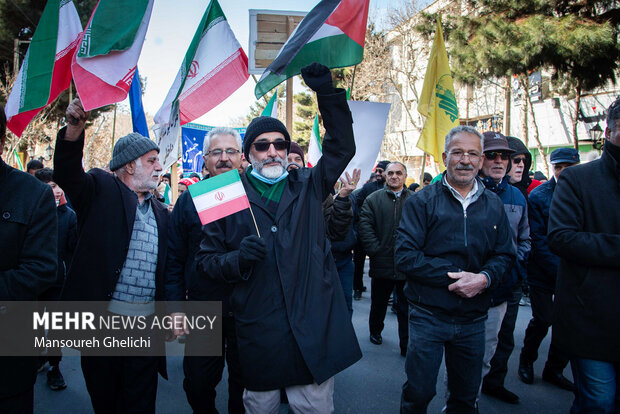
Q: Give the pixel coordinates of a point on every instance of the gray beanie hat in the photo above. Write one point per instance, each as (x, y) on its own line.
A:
(129, 148)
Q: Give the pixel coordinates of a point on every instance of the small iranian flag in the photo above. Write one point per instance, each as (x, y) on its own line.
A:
(333, 33)
(214, 67)
(315, 150)
(272, 107)
(219, 196)
(45, 72)
(105, 63)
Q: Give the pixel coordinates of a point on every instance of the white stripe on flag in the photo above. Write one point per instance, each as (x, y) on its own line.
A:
(326, 31)
(219, 196)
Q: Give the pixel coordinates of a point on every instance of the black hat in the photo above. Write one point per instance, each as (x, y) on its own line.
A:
(496, 141)
(260, 125)
(382, 164)
(130, 147)
(568, 155)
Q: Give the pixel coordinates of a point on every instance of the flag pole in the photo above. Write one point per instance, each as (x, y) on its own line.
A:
(353, 78)
(255, 225)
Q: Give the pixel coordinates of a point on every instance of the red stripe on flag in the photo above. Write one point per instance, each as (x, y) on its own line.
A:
(61, 78)
(351, 17)
(224, 209)
(213, 91)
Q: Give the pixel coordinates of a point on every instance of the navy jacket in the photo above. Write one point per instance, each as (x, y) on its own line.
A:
(584, 230)
(542, 266)
(28, 255)
(436, 237)
(292, 322)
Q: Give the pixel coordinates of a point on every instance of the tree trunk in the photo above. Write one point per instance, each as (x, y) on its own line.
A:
(528, 104)
(524, 112)
(576, 117)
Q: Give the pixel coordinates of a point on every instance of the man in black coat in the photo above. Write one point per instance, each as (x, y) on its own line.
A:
(222, 153)
(584, 230)
(120, 255)
(542, 273)
(28, 260)
(292, 323)
(379, 220)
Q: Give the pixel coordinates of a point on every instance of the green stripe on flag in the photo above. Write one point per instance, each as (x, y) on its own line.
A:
(18, 161)
(221, 180)
(333, 51)
(111, 29)
(316, 132)
(268, 111)
(38, 65)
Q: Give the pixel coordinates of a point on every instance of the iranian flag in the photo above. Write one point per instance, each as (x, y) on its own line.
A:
(219, 196)
(272, 106)
(332, 33)
(105, 63)
(46, 70)
(214, 67)
(315, 150)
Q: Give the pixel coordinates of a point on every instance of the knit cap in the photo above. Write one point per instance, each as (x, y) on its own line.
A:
(129, 148)
(260, 125)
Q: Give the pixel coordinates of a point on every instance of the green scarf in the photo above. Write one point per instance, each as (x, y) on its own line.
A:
(269, 193)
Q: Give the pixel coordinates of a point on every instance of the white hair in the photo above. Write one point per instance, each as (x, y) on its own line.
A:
(463, 129)
(220, 131)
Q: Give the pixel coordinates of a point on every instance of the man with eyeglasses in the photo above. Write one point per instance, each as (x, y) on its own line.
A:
(293, 326)
(221, 149)
(453, 244)
(499, 327)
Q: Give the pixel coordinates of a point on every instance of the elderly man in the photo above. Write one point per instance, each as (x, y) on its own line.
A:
(113, 261)
(379, 220)
(454, 244)
(584, 230)
(502, 317)
(28, 259)
(222, 153)
(291, 318)
(542, 273)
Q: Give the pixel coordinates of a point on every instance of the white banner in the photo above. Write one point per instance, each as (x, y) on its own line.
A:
(167, 138)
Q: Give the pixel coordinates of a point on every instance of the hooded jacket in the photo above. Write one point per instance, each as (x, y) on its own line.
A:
(520, 148)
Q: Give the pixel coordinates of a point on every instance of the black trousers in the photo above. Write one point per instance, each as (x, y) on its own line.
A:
(359, 259)
(380, 292)
(203, 373)
(542, 307)
(22, 403)
(505, 343)
(126, 384)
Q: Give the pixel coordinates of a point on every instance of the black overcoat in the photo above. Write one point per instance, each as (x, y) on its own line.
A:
(584, 230)
(292, 322)
(28, 256)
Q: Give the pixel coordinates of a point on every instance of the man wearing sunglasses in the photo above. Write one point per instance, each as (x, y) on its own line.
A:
(520, 164)
(293, 326)
(222, 153)
(501, 321)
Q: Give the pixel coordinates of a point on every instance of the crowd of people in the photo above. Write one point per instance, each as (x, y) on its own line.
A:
(453, 256)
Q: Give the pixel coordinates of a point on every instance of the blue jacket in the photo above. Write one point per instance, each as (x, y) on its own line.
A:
(515, 207)
(542, 266)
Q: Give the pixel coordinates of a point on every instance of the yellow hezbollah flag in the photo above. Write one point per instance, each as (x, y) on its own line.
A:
(437, 101)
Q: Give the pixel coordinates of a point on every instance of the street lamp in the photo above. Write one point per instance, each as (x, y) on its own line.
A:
(49, 152)
(595, 134)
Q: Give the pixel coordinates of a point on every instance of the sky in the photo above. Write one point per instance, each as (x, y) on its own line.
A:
(172, 26)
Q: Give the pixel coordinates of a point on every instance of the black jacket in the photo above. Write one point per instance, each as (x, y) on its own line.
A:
(339, 222)
(542, 266)
(184, 236)
(291, 318)
(28, 256)
(584, 230)
(436, 237)
(379, 220)
(67, 239)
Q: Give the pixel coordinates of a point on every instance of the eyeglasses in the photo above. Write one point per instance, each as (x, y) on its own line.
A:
(518, 160)
(459, 155)
(379, 171)
(218, 152)
(263, 146)
(492, 155)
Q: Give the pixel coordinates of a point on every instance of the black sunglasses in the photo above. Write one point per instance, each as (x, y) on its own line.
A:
(492, 155)
(263, 146)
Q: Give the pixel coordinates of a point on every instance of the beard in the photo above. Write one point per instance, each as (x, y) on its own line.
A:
(272, 171)
(143, 180)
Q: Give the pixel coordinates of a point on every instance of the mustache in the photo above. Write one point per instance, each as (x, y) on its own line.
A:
(270, 160)
(464, 167)
(223, 164)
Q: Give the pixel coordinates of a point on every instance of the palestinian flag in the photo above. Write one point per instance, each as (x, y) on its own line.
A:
(46, 70)
(315, 150)
(105, 63)
(219, 196)
(332, 33)
(214, 67)
(272, 106)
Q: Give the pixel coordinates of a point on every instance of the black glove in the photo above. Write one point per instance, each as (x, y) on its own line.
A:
(251, 250)
(318, 78)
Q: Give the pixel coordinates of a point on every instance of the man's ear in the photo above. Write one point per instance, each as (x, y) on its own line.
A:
(130, 167)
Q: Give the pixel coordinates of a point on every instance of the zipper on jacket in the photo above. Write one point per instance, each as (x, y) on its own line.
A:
(465, 225)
